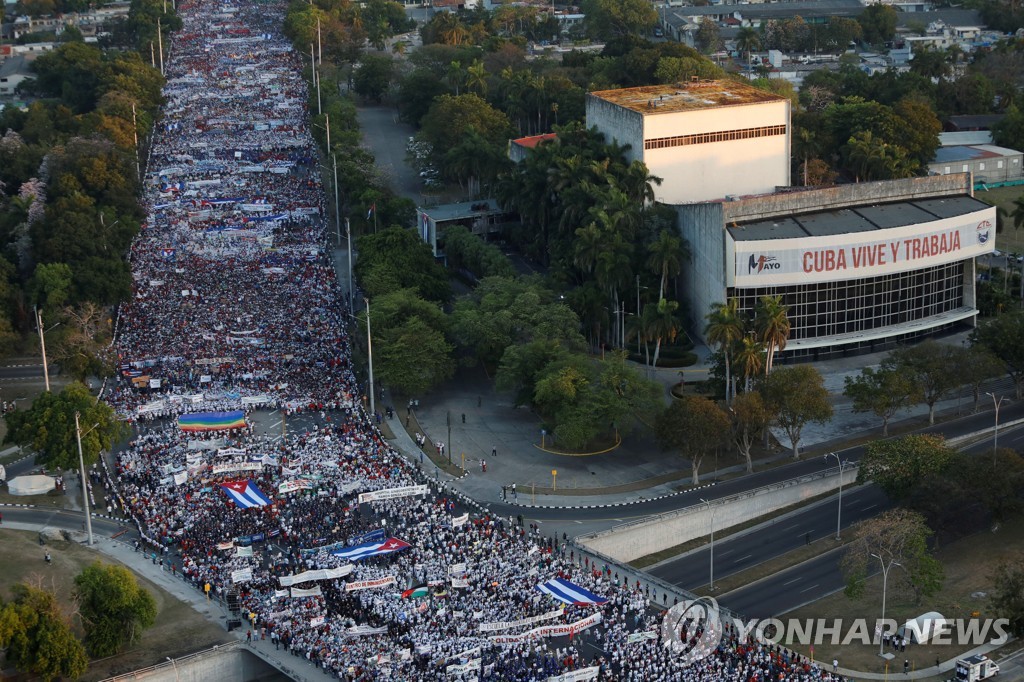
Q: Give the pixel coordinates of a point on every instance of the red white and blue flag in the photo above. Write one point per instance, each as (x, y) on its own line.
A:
(369, 549)
(570, 593)
(245, 494)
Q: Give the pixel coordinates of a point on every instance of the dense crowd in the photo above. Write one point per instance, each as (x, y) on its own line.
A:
(236, 306)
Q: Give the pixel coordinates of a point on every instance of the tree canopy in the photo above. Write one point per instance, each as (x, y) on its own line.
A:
(896, 466)
(796, 396)
(114, 608)
(38, 635)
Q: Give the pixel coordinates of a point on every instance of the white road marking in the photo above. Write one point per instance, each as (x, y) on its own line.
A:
(794, 580)
(867, 508)
(809, 588)
(742, 558)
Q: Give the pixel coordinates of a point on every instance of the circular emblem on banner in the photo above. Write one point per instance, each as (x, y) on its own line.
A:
(984, 231)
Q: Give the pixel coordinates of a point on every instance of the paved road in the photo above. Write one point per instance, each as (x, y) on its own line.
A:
(820, 577)
(740, 552)
(26, 371)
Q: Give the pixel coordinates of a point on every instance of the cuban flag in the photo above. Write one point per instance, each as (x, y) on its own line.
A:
(570, 593)
(245, 494)
(369, 549)
(373, 209)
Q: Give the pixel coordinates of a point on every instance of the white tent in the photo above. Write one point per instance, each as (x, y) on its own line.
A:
(924, 628)
(31, 485)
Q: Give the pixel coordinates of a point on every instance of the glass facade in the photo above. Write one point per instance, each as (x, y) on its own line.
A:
(854, 306)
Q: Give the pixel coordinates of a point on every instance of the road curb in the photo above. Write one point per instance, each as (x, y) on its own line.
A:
(612, 504)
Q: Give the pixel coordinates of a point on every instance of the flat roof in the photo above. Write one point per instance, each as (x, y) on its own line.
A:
(856, 219)
(532, 141)
(692, 96)
(971, 152)
(466, 209)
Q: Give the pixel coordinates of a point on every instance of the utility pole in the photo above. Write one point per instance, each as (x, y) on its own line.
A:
(711, 512)
(348, 234)
(316, 80)
(327, 127)
(135, 137)
(369, 353)
(319, 44)
(448, 443)
(839, 514)
(81, 472)
(160, 44)
(42, 348)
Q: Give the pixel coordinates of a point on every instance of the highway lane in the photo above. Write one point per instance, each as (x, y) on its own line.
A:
(64, 519)
(28, 371)
(789, 589)
(738, 553)
(957, 427)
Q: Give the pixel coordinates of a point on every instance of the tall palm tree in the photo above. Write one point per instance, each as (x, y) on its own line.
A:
(476, 78)
(771, 323)
(588, 247)
(665, 325)
(749, 359)
(1017, 214)
(725, 329)
(638, 183)
(455, 76)
(665, 256)
(747, 41)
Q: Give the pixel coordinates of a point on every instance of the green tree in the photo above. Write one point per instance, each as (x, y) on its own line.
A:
(451, 117)
(771, 326)
(895, 466)
(114, 608)
(411, 355)
(750, 359)
(693, 426)
(397, 258)
(979, 366)
(796, 396)
(1009, 132)
(666, 255)
(38, 636)
(750, 417)
(882, 392)
(747, 41)
(1007, 592)
(606, 19)
(416, 92)
(724, 329)
(878, 23)
(707, 38)
(372, 78)
(48, 427)
(933, 369)
(49, 288)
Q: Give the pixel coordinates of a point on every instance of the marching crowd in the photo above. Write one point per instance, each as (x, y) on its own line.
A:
(236, 305)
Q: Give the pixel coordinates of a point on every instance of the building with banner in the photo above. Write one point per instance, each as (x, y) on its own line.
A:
(706, 139)
(861, 267)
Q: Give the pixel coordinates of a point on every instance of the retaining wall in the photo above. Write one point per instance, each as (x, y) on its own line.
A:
(226, 663)
(631, 541)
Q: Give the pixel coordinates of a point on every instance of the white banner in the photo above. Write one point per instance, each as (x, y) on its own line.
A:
(244, 551)
(509, 624)
(155, 383)
(581, 675)
(257, 399)
(180, 478)
(320, 574)
(460, 582)
(365, 630)
(205, 444)
(393, 493)
(458, 521)
(550, 631)
(292, 486)
(319, 620)
(280, 594)
(457, 569)
(640, 637)
(241, 576)
(471, 666)
(369, 584)
(298, 593)
(240, 466)
(853, 255)
(231, 452)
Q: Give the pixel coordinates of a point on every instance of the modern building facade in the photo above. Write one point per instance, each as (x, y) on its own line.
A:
(861, 267)
(705, 139)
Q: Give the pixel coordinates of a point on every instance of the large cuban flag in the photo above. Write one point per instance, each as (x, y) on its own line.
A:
(245, 494)
(369, 549)
(570, 593)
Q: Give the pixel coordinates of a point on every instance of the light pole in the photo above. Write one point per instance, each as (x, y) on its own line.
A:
(996, 402)
(842, 468)
(175, 667)
(885, 584)
(711, 512)
(42, 345)
(369, 353)
(81, 472)
(348, 236)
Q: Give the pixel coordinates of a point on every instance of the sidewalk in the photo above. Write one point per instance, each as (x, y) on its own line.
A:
(482, 420)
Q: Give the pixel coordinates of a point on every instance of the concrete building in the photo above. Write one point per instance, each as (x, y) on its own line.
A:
(13, 73)
(520, 147)
(988, 163)
(482, 218)
(705, 139)
(861, 267)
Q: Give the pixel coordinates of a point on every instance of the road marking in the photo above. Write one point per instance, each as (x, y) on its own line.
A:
(792, 527)
(736, 561)
(794, 580)
(277, 423)
(809, 588)
(619, 520)
(579, 522)
(867, 508)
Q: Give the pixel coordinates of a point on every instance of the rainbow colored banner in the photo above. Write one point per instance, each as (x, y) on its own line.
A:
(212, 421)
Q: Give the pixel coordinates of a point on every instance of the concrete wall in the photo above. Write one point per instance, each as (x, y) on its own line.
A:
(991, 170)
(631, 541)
(227, 663)
(704, 276)
(702, 172)
(805, 201)
(619, 124)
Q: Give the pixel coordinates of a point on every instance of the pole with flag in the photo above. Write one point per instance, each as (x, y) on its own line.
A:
(373, 213)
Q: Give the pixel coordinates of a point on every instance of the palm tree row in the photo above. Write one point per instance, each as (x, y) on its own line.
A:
(748, 343)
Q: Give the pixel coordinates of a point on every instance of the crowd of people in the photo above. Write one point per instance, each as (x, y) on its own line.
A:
(236, 306)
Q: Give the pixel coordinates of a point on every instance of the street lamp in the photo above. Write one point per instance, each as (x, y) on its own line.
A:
(885, 583)
(42, 345)
(711, 512)
(369, 353)
(842, 468)
(997, 402)
(175, 667)
(81, 472)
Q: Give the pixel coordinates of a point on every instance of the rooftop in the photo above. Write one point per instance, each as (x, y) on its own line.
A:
(857, 219)
(533, 140)
(971, 152)
(466, 209)
(692, 96)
